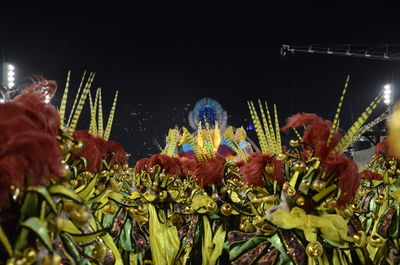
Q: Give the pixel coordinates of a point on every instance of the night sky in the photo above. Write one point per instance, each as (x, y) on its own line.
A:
(164, 57)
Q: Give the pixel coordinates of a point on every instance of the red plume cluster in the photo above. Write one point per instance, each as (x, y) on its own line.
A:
(172, 165)
(96, 149)
(369, 175)
(209, 172)
(206, 173)
(316, 133)
(28, 149)
(255, 168)
(384, 148)
(348, 178)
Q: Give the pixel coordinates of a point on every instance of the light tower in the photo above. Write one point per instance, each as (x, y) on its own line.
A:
(8, 75)
(387, 94)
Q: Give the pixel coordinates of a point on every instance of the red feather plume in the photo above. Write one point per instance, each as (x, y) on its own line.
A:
(254, 169)
(171, 165)
(348, 178)
(369, 175)
(384, 148)
(316, 133)
(90, 151)
(209, 172)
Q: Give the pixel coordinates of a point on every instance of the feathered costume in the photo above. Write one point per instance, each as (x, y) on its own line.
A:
(70, 197)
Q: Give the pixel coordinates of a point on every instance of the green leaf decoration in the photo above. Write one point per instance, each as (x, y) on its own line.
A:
(39, 227)
(6, 243)
(86, 238)
(88, 190)
(65, 192)
(45, 194)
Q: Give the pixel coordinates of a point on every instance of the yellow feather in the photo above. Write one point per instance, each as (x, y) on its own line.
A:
(259, 131)
(345, 141)
(93, 126)
(277, 133)
(336, 119)
(111, 117)
(80, 105)
(100, 128)
(271, 129)
(270, 142)
(63, 104)
(76, 99)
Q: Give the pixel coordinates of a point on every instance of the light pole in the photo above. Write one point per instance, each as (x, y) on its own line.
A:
(387, 94)
(8, 75)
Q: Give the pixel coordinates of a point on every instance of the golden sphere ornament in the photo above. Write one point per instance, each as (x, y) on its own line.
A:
(314, 250)
(211, 206)
(77, 148)
(80, 216)
(215, 196)
(318, 185)
(376, 241)
(300, 167)
(380, 199)
(51, 259)
(300, 201)
(294, 143)
(189, 209)
(269, 170)
(226, 209)
(163, 195)
(360, 238)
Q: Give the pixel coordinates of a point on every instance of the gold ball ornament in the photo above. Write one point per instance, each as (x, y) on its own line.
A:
(375, 241)
(58, 223)
(226, 209)
(360, 238)
(99, 251)
(211, 206)
(80, 216)
(294, 143)
(380, 199)
(163, 195)
(281, 157)
(318, 185)
(117, 167)
(110, 208)
(314, 250)
(73, 182)
(269, 170)
(189, 209)
(300, 167)
(77, 148)
(291, 191)
(66, 170)
(215, 196)
(52, 259)
(300, 201)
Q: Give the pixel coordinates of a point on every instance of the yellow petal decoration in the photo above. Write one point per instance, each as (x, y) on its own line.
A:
(164, 240)
(212, 246)
(332, 226)
(395, 195)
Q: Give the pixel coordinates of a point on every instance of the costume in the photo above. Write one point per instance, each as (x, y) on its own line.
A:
(209, 197)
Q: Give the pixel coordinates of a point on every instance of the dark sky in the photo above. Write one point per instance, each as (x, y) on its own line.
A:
(164, 57)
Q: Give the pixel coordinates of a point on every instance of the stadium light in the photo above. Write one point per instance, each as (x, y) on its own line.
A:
(9, 75)
(387, 94)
